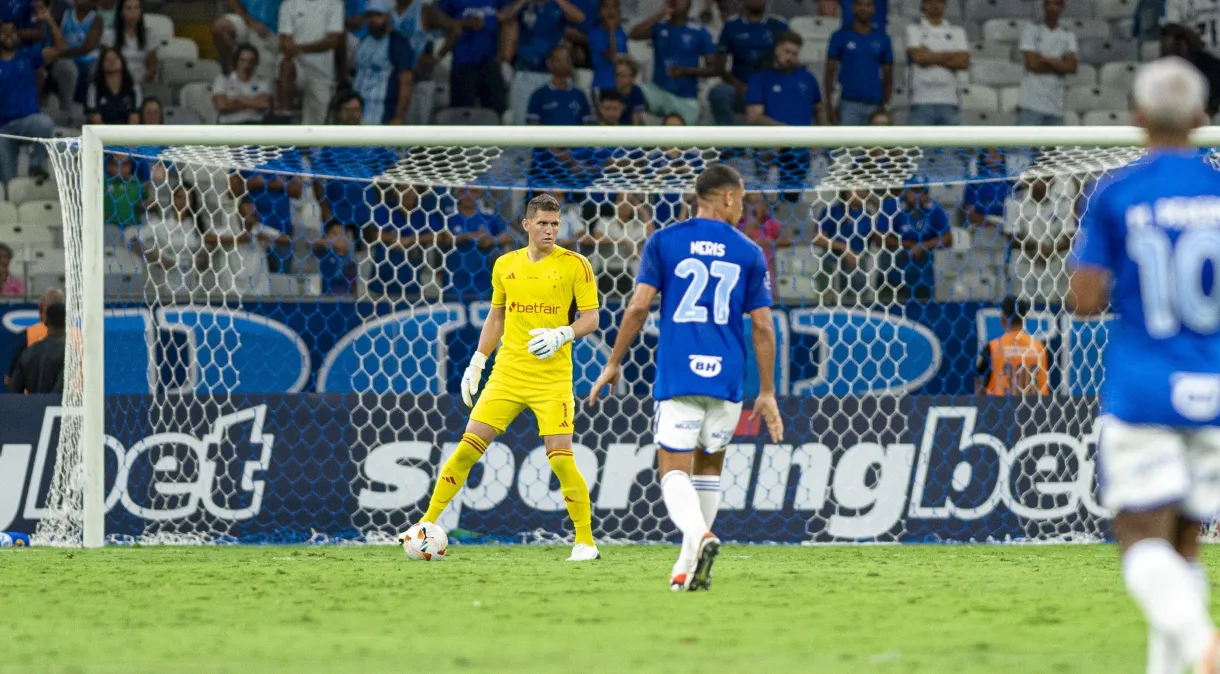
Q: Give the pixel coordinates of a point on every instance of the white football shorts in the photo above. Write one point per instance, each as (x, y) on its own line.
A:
(688, 422)
(1145, 467)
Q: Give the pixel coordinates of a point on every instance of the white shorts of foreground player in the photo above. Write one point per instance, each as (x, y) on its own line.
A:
(687, 422)
(1148, 467)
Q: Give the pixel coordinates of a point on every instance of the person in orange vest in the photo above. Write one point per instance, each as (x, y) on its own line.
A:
(34, 333)
(1014, 363)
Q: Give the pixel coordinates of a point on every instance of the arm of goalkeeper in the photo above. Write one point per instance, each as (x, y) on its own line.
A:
(489, 338)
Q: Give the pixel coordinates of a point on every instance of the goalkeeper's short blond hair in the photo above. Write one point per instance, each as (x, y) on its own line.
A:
(542, 202)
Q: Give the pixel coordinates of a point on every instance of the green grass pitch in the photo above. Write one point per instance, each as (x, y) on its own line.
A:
(950, 608)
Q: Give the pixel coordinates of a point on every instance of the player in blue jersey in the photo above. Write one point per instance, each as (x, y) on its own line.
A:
(708, 274)
(1149, 248)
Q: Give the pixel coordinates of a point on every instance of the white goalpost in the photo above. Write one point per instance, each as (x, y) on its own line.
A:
(316, 401)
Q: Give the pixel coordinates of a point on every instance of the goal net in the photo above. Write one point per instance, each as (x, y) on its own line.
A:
(268, 331)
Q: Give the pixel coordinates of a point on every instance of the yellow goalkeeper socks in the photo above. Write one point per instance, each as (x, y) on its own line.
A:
(454, 473)
(575, 493)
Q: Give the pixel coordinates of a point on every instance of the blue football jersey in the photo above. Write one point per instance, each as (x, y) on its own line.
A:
(1155, 225)
(709, 275)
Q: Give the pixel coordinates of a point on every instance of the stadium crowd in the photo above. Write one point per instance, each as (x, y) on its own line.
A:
(274, 230)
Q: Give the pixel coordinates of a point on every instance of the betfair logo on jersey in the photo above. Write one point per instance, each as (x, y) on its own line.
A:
(713, 248)
(705, 366)
(536, 308)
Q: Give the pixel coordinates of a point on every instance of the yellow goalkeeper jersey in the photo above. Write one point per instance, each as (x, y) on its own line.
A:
(543, 294)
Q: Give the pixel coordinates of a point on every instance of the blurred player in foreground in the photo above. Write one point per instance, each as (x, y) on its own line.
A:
(543, 297)
(708, 274)
(1149, 245)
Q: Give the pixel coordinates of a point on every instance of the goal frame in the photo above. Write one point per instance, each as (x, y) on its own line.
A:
(95, 139)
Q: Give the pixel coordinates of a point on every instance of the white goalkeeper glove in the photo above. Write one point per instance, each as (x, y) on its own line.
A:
(547, 342)
(473, 377)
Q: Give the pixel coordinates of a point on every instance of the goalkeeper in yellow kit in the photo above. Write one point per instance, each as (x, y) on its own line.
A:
(543, 297)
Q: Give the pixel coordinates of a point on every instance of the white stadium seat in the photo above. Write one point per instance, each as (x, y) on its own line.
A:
(1107, 118)
(995, 73)
(1112, 10)
(814, 27)
(980, 97)
(1009, 98)
(197, 96)
(178, 48)
(159, 27)
(22, 189)
(1003, 30)
(183, 71)
(1086, 75)
(1119, 75)
(1085, 99)
(1087, 29)
(42, 212)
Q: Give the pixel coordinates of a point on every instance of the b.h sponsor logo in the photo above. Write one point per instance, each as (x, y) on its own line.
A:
(706, 366)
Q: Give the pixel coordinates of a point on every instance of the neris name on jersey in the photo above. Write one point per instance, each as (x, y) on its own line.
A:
(709, 248)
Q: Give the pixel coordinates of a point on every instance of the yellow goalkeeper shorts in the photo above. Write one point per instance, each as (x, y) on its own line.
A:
(497, 406)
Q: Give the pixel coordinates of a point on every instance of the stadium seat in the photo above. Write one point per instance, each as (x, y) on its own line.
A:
(1010, 97)
(1087, 29)
(1101, 52)
(197, 96)
(16, 233)
(1150, 51)
(983, 49)
(901, 97)
(112, 236)
(980, 97)
(184, 71)
(41, 282)
(467, 117)
(22, 189)
(815, 27)
(995, 73)
(284, 285)
(178, 48)
(814, 51)
(901, 116)
(641, 53)
(1086, 76)
(582, 78)
(987, 118)
(8, 215)
(1085, 99)
(1107, 118)
(1120, 75)
(179, 115)
(985, 10)
(786, 9)
(158, 90)
(158, 26)
(1071, 118)
(1076, 9)
(42, 212)
(974, 30)
(1003, 30)
(1112, 10)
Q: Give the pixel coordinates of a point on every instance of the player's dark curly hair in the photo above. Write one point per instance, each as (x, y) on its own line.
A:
(716, 178)
(542, 202)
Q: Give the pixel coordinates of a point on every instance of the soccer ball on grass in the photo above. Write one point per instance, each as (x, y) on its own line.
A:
(425, 541)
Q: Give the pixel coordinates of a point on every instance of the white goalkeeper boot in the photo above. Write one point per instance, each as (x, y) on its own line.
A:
(582, 552)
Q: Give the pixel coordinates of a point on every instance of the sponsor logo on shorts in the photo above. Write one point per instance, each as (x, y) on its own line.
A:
(689, 425)
(705, 366)
(536, 308)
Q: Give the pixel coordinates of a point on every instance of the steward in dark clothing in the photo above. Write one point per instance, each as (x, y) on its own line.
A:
(41, 366)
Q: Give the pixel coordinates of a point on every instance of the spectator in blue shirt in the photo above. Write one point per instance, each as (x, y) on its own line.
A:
(534, 28)
(271, 190)
(984, 197)
(845, 230)
(607, 42)
(626, 71)
(252, 22)
(861, 60)
(336, 260)
(917, 228)
(683, 53)
(475, 237)
(748, 39)
(559, 103)
(879, 18)
(384, 62)
(422, 24)
(786, 95)
(19, 113)
(476, 80)
(611, 108)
